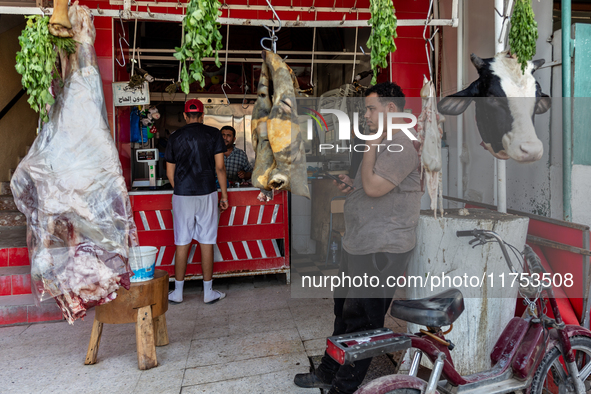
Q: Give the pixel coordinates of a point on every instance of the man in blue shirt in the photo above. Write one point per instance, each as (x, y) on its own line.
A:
(194, 156)
(237, 166)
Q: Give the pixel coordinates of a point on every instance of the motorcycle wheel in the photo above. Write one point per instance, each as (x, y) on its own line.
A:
(551, 377)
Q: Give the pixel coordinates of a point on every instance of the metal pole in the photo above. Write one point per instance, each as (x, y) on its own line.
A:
(566, 110)
(501, 179)
(460, 81)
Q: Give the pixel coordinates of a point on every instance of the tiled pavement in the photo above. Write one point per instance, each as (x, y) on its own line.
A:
(254, 341)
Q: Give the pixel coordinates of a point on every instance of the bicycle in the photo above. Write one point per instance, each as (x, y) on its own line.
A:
(535, 354)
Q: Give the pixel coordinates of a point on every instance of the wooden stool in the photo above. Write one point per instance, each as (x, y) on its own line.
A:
(145, 303)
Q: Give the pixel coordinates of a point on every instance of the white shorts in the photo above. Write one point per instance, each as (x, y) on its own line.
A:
(195, 217)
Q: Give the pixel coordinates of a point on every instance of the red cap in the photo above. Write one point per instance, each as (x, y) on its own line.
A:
(194, 105)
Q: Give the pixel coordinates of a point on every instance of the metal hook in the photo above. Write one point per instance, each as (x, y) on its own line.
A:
(273, 31)
(427, 19)
(223, 90)
(428, 41)
(122, 27)
(355, 54)
(343, 20)
(98, 9)
(312, 65)
(273, 41)
(245, 85)
(121, 47)
(244, 98)
(149, 13)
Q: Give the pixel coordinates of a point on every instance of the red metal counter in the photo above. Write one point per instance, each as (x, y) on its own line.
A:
(253, 237)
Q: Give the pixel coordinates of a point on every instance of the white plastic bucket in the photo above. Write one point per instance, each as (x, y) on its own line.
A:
(142, 261)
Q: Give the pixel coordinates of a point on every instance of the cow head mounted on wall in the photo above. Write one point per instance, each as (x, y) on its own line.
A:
(507, 100)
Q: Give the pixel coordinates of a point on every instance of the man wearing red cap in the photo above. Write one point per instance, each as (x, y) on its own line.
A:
(194, 156)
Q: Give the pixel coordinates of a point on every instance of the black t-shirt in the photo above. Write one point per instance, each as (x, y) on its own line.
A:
(193, 148)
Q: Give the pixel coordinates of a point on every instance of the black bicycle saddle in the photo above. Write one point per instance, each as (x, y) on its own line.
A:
(436, 311)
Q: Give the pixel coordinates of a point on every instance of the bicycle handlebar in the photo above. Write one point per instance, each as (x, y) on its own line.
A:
(489, 234)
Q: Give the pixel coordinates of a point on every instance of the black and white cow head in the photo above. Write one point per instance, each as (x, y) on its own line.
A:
(505, 108)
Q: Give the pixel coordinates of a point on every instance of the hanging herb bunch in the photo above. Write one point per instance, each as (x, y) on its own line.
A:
(383, 32)
(201, 38)
(523, 33)
(36, 61)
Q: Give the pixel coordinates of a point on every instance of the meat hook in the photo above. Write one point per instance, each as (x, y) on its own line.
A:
(122, 37)
(312, 65)
(245, 85)
(225, 94)
(273, 38)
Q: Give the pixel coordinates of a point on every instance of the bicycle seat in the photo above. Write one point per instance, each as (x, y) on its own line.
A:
(436, 311)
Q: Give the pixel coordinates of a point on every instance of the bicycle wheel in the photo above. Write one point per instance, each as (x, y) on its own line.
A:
(552, 377)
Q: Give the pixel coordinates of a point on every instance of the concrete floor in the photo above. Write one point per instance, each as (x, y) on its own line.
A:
(254, 341)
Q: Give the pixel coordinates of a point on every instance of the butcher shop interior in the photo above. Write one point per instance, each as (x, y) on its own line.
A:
(328, 62)
(331, 65)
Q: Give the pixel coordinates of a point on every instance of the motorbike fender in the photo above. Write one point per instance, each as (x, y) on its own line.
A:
(389, 383)
(571, 330)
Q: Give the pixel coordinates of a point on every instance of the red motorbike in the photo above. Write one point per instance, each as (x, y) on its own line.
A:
(535, 354)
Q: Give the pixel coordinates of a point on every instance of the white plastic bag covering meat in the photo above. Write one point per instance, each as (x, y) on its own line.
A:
(70, 187)
(430, 132)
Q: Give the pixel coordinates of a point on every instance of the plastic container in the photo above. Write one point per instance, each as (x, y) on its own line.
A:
(142, 261)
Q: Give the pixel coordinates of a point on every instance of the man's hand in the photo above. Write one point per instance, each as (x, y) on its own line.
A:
(244, 175)
(224, 204)
(342, 187)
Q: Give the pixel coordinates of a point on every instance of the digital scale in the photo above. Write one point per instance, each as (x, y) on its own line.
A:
(150, 157)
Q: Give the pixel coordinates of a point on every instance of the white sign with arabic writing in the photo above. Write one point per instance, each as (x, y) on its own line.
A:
(123, 95)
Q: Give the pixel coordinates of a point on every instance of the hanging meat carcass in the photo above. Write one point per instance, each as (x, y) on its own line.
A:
(264, 162)
(70, 187)
(430, 132)
(283, 131)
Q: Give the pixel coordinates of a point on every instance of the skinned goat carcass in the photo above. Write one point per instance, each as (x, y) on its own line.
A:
(283, 130)
(264, 162)
(430, 132)
(71, 189)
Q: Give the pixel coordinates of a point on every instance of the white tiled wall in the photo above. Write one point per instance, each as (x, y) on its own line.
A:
(301, 209)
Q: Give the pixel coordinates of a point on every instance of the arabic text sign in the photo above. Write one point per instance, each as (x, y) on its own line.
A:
(123, 95)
